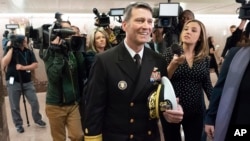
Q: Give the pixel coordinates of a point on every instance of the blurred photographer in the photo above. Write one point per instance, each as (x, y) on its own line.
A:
(19, 61)
(172, 34)
(5, 39)
(158, 44)
(63, 66)
(115, 34)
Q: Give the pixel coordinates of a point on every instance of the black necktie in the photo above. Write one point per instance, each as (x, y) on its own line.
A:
(137, 60)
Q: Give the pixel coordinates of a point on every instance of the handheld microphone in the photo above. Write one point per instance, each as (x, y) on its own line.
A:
(176, 49)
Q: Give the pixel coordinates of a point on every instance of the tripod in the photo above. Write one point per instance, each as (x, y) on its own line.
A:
(22, 89)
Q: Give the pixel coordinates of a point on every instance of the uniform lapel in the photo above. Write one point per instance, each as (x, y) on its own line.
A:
(126, 63)
(146, 70)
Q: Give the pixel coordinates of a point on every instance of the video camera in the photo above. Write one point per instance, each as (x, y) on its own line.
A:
(12, 27)
(102, 20)
(118, 31)
(12, 36)
(43, 36)
(244, 12)
(16, 41)
(166, 12)
(114, 12)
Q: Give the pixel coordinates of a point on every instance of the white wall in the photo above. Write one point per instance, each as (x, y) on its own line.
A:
(84, 21)
(216, 25)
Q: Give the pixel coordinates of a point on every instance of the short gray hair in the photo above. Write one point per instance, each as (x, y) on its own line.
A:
(128, 9)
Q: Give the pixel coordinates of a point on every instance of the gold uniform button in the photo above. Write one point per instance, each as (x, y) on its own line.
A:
(132, 120)
(132, 104)
(149, 132)
(131, 136)
(86, 131)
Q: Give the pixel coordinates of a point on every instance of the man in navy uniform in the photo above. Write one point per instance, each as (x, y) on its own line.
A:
(118, 90)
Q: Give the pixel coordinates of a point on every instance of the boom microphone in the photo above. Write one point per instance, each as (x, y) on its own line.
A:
(65, 31)
(95, 11)
(241, 1)
(176, 49)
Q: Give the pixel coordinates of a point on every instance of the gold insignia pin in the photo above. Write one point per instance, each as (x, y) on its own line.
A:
(122, 85)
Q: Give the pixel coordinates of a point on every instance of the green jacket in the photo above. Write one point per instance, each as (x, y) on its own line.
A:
(63, 77)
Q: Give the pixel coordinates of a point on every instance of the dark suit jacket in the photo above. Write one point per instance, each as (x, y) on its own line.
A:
(116, 103)
(227, 47)
(232, 41)
(240, 116)
(218, 88)
(161, 46)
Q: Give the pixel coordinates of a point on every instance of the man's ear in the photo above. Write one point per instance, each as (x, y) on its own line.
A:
(124, 26)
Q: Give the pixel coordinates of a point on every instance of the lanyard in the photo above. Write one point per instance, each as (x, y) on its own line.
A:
(24, 57)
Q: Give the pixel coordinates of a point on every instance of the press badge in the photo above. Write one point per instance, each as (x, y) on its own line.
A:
(11, 81)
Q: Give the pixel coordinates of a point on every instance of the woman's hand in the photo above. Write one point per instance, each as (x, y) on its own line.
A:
(178, 59)
(174, 64)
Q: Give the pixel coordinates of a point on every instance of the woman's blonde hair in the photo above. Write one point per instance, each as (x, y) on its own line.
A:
(92, 39)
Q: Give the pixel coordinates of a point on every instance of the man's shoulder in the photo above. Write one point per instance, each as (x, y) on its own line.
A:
(113, 50)
(154, 54)
(29, 51)
(229, 37)
(234, 50)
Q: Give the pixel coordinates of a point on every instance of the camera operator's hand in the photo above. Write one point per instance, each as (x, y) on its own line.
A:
(20, 67)
(9, 48)
(7, 57)
(57, 41)
(28, 68)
